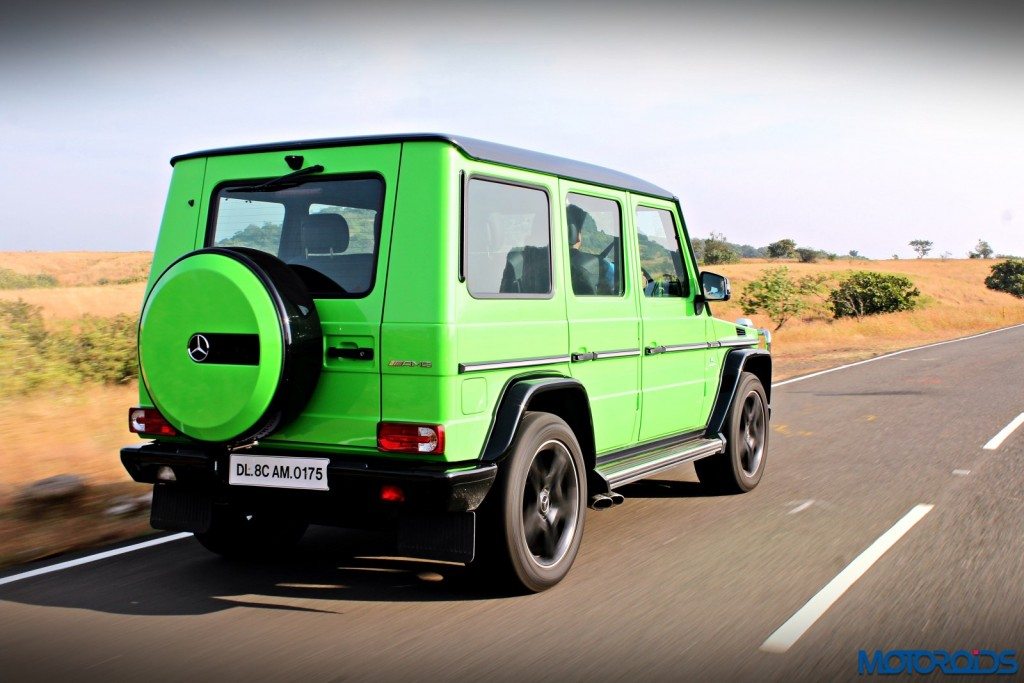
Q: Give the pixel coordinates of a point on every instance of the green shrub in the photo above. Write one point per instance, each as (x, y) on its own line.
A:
(88, 349)
(1008, 277)
(99, 349)
(864, 292)
(781, 249)
(779, 297)
(12, 280)
(807, 255)
(716, 250)
(24, 345)
(132, 279)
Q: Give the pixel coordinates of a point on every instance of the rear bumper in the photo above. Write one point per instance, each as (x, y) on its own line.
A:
(354, 483)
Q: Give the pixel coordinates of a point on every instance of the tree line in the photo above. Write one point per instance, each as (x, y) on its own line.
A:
(718, 249)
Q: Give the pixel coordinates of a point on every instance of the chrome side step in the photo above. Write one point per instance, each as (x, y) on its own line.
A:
(628, 470)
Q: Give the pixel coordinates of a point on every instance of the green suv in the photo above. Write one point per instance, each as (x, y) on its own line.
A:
(459, 342)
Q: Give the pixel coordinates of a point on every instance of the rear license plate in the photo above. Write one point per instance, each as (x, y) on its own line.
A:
(279, 472)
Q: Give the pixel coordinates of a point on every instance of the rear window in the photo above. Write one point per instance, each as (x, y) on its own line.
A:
(327, 230)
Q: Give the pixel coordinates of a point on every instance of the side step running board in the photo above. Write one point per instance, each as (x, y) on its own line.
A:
(627, 470)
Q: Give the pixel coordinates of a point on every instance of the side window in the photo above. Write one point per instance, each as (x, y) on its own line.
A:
(661, 259)
(507, 241)
(595, 245)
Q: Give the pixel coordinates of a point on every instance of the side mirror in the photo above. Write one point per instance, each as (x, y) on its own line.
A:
(715, 287)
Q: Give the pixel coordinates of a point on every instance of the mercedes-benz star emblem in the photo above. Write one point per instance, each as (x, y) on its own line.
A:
(198, 348)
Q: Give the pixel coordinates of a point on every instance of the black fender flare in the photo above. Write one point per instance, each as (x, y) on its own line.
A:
(517, 397)
(737, 361)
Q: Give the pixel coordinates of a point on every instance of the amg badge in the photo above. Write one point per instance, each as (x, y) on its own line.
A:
(410, 364)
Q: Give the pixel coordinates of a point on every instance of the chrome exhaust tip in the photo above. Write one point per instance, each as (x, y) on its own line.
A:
(601, 501)
(617, 498)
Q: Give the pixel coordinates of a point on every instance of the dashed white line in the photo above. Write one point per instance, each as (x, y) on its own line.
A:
(790, 632)
(997, 440)
(961, 473)
(92, 558)
(801, 507)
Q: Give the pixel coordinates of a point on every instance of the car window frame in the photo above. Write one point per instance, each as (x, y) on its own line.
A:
(467, 178)
(622, 246)
(688, 288)
(378, 223)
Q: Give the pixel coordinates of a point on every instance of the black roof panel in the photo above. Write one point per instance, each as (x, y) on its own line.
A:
(471, 147)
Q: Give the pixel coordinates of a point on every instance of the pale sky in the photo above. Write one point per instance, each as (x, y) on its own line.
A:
(842, 126)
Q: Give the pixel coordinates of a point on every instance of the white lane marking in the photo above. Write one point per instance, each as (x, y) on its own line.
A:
(962, 473)
(92, 558)
(790, 632)
(801, 507)
(894, 353)
(997, 440)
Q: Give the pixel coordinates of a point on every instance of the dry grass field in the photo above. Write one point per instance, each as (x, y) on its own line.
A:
(78, 268)
(954, 303)
(80, 428)
(89, 282)
(65, 303)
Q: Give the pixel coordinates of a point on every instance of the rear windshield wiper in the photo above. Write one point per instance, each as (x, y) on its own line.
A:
(272, 185)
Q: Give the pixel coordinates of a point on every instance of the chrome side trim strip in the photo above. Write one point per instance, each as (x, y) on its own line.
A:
(596, 355)
(624, 353)
(506, 364)
(655, 350)
(685, 347)
(738, 342)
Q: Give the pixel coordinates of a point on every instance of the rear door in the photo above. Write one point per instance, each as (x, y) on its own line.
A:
(334, 229)
(602, 308)
(673, 336)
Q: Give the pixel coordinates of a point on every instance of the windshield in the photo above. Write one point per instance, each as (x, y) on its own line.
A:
(326, 229)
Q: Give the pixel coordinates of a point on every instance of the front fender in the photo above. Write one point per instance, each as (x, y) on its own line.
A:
(737, 361)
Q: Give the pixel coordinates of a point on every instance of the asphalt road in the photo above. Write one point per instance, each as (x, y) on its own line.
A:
(671, 585)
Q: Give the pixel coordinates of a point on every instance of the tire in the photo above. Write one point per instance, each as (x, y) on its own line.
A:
(238, 535)
(741, 466)
(532, 531)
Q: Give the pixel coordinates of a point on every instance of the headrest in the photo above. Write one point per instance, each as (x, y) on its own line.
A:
(324, 233)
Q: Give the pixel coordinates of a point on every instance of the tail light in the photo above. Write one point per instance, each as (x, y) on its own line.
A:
(400, 437)
(389, 493)
(150, 422)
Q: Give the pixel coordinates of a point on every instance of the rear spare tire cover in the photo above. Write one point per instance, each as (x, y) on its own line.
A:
(230, 345)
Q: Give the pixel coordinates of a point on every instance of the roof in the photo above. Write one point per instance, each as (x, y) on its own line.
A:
(480, 150)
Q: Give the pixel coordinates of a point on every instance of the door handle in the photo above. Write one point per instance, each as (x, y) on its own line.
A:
(350, 353)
